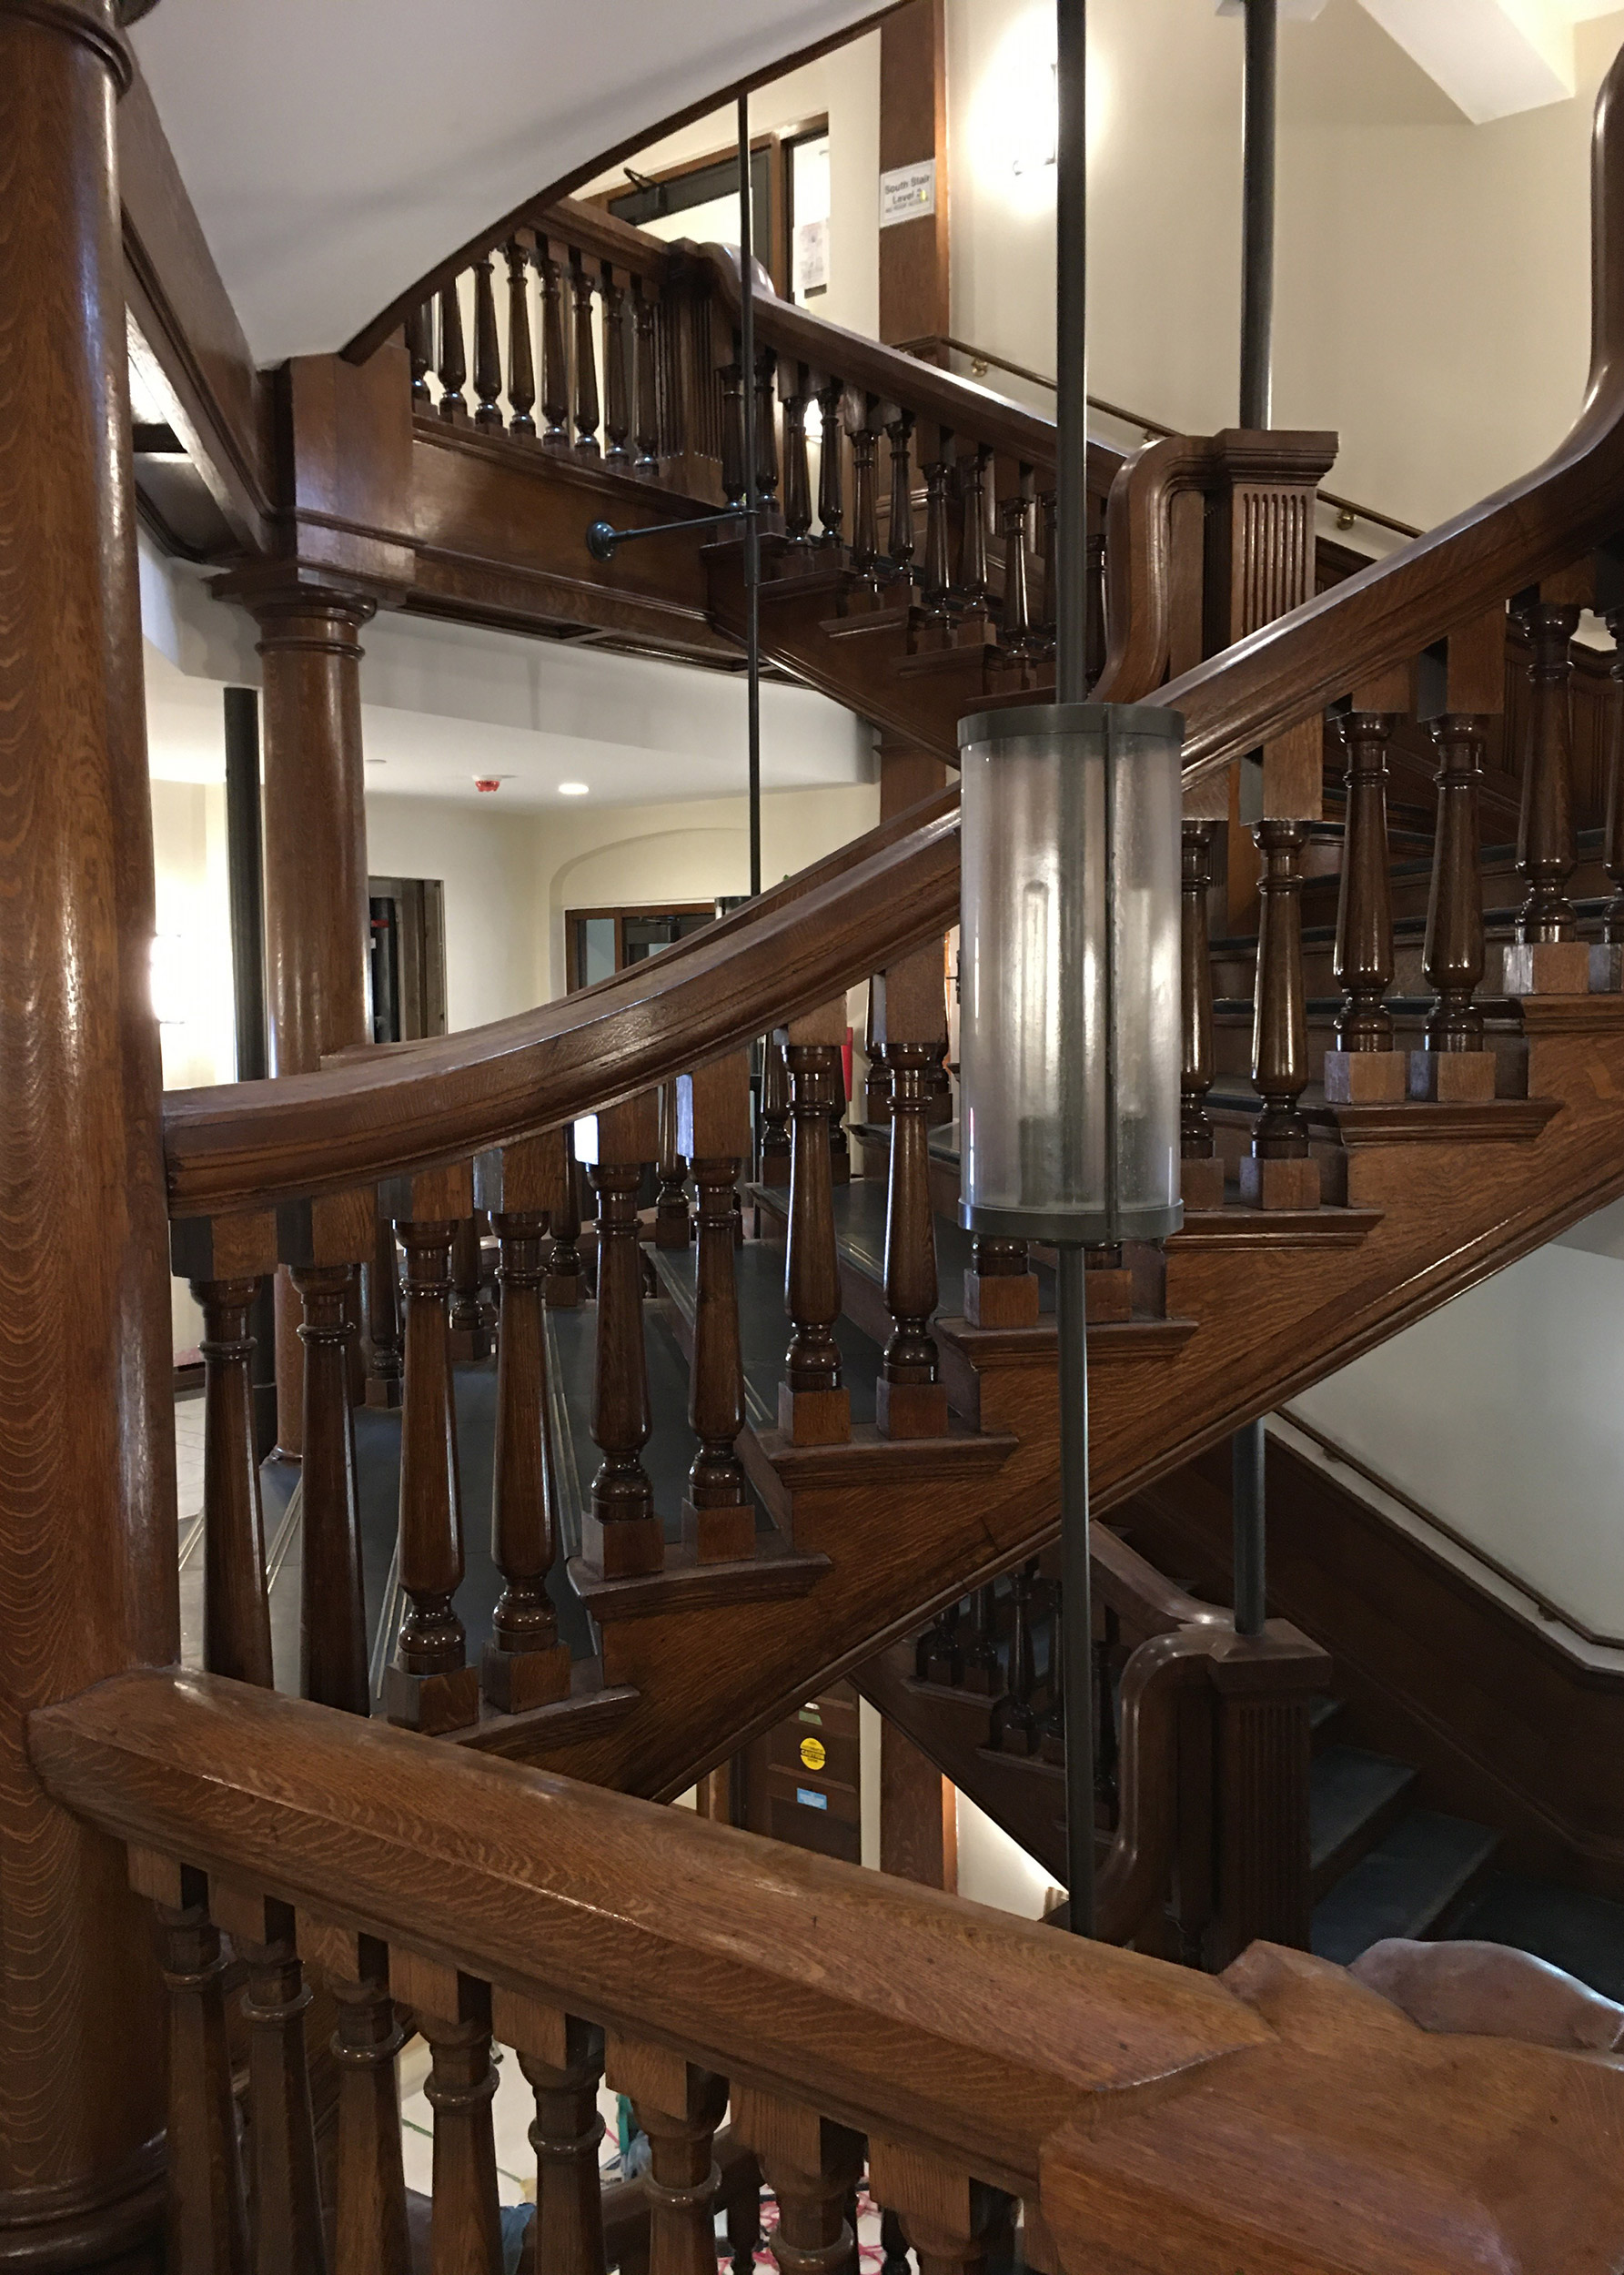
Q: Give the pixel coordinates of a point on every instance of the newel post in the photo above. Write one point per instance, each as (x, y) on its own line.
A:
(87, 1532)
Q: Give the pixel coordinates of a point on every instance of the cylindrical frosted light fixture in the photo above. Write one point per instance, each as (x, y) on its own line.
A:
(1070, 1047)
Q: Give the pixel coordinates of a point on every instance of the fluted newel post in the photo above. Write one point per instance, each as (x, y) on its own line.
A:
(674, 1227)
(555, 356)
(453, 356)
(679, 2107)
(1547, 958)
(288, 2237)
(323, 1242)
(382, 1278)
(429, 1687)
(521, 360)
(369, 2226)
(621, 1534)
(909, 1398)
(814, 1406)
(1279, 1173)
(812, 2165)
(1363, 1068)
(831, 472)
(488, 352)
(1453, 1065)
(524, 1665)
(205, 2228)
(1201, 1171)
(588, 412)
(1000, 1288)
(562, 2061)
(563, 1221)
(225, 1263)
(713, 1131)
(773, 1168)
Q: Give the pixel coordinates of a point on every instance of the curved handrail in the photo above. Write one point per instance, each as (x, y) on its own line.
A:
(1136, 1869)
(1386, 614)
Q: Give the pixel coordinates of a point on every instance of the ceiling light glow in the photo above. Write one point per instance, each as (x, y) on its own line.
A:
(572, 790)
(1013, 117)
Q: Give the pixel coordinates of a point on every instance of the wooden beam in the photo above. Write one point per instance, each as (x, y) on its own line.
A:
(919, 1821)
(914, 254)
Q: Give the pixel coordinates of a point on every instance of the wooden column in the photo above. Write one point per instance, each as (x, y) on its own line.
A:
(621, 1533)
(315, 907)
(919, 1823)
(911, 1399)
(914, 304)
(87, 1533)
(713, 1132)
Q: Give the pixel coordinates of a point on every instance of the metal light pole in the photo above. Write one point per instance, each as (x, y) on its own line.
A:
(1258, 214)
(753, 529)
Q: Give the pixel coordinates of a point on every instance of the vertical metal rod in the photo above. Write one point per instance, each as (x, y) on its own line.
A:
(1249, 1500)
(244, 870)
(1257, 215)
(1071, 338)
(1076, 1585)
(752, 532)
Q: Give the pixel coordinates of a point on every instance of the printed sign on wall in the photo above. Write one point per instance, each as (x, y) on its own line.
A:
(907, 193)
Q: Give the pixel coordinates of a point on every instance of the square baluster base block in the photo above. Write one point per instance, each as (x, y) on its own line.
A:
(1606, 969)
(1001, 1298)
(814, 1418)
(840, 1169)
(1547, 968)
(468, 1343)
(383, 1392)
(674, 1231)
(776, 1171)
(1279, 1184)
(1365, 1078)
(911, 1409)
(720, 1536)
(561, 1291)
(1201, 1183)
(432, 1704)
(1108, 1295)
(515, 1680)
(625, 1547)
(1452, 1077)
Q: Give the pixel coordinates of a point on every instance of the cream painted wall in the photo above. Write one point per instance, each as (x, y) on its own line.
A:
(692, 850)
(192, 962)
(486, 860)
(1432, 286)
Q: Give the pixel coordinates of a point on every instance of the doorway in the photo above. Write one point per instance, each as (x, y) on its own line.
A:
(406, 959)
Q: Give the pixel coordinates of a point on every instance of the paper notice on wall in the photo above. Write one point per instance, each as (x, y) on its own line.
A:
(811, 259)
(907, 193)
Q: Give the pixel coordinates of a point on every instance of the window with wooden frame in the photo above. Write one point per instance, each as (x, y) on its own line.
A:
(599, 942)
(699, 198)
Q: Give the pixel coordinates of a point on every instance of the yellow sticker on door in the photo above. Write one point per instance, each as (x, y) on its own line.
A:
(813, 1753)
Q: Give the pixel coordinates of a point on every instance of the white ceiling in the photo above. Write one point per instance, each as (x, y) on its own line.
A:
(337, 149)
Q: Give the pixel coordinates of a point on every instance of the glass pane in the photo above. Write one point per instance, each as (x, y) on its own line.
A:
(809, 203)
(594, 949)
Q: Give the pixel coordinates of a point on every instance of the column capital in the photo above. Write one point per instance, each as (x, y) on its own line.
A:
(284, 595)
(98, 23)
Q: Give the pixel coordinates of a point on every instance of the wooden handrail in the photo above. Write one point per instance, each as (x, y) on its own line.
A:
(1149, 1601)
(897, 2009)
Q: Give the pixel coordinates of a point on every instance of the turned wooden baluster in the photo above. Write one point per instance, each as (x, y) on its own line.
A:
(983, 1672)
(562, 2061)
(647, 460)
(714, 1127)
(862, 412)
(521, 361)
(287, 2233)
(205, 2215)
(453, 359)
(470, 1333)
(970, 586)
(419, 348)
(909, 1398)
(775, 1166)
(1454, 1064)
(382, 1277)
(679, 2107)
(1014, 629)
(731, 380)
(453, 2013)
(323, 1242)
(588, 411)
(523, 1666)
(1278, 1172)
(793, 387)
(1051, 1724)
(936, 453)
(898, 532)
(555, 354)
(830, 494)
(840, 1144)
(1202, 1173)
(617, 371)
(1042, 607)
(766, 435)
(1001, 1287)
(563, 1219)
(1014, 1726)
(673, 1226)
(814, 1406)
(488, 351)
(1546, 851)
(813, 2166)
(893, 2243)
(369, 2229)
(429, 1687)
(1612, 836)
(1363, 958)
(622, 1536)
(225, 1263)
(938, 1653)
(946, 2216)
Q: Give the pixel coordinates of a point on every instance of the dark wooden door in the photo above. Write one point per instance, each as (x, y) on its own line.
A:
(803, 1781)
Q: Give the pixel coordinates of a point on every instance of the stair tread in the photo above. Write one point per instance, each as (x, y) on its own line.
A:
(1580, 1932)
(1348, 1792)
(1405, 1886)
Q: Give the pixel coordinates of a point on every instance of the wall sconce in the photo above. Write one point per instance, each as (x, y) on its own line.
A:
(1071, 1025)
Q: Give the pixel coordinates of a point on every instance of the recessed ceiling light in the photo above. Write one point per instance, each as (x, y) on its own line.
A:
(572, 790)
